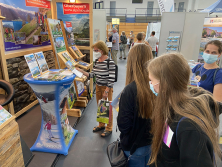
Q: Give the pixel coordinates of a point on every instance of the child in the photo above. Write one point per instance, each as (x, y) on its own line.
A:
(48, 125)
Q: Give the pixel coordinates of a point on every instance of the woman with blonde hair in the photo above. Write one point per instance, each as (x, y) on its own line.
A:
(144, 39)
(183, 122)
(105, 77)
(136, 107)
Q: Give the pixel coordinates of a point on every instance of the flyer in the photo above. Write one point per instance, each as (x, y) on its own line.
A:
(33, 65)
(41, 61)
(71, 67)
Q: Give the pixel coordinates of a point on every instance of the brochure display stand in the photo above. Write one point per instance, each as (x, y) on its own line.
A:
(56, 135)
(174, 41)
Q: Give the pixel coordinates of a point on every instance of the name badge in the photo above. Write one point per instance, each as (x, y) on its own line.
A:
(168, 136)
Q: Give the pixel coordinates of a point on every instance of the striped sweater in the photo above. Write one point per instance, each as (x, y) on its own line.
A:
(104, 76)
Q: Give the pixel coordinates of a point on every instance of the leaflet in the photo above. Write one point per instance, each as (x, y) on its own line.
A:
(33, 65)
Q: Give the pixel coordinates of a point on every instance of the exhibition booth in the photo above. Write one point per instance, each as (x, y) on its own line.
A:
(42, 43)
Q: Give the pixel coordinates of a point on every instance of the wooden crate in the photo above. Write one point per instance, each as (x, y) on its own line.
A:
(10, 144)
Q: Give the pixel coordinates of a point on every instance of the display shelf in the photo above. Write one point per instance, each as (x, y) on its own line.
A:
(85, 67)
(174, 41)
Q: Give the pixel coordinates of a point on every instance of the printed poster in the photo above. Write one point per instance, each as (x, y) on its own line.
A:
(42, 62)
(24, 26)
(78, 15)
(212, 30)
(69, 33)
(57, 35)
(33, 65)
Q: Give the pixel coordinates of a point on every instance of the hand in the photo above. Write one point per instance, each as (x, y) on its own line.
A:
(105, 95)
(78, 69)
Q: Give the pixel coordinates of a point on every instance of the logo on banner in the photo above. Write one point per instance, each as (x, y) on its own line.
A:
(68, 24)
(77, 8)
(38, 3)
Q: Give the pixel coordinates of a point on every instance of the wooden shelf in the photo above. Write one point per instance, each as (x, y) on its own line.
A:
(85, 67)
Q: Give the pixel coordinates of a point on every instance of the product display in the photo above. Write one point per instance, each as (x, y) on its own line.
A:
(78, 53)
(173, 42)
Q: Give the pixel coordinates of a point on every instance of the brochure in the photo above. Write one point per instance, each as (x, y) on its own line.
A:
(76, 51)
(83, 63)
(33, 65)
(72, 97)
(41, 61)
(71, 67)
(4, 115)
(66, 56)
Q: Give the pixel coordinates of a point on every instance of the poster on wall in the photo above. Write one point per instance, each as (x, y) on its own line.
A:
(24, 25)
(212, 30)
(57, 35)
(78, 15)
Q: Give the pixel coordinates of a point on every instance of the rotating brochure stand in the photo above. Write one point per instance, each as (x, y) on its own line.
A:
(174, 41)
(56, 135)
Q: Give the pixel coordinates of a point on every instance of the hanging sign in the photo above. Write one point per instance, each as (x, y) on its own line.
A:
(76, 8)
(38, 3)
(166, 5)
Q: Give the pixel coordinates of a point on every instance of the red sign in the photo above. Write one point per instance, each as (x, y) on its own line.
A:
(38, 3)
(68, 24)
(76, 8)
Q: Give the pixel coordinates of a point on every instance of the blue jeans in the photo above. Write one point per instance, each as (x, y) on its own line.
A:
(140, 157)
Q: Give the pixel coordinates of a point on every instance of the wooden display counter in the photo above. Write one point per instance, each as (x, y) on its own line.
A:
(10, 144)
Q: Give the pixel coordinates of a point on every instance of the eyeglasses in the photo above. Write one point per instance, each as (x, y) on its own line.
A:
(96, 50)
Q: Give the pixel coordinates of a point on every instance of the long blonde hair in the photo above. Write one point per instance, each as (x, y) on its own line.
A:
(173, 72)
(138, 56)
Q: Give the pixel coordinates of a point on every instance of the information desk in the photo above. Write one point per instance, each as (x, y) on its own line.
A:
(56, 135)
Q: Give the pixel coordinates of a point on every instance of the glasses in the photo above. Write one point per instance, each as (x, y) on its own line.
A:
(96, 50)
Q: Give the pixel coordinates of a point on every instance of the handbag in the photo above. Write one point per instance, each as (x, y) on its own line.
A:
(116, 155)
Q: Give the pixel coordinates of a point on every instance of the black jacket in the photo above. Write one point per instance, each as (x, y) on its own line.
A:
(190, 146)
(128, 121)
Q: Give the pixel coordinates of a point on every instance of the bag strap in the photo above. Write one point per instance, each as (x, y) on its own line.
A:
(215, 73)
(138, 139)
(108, 64)
(96, 61)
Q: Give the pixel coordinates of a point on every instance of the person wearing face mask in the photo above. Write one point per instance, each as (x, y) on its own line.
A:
(184, 120)
(105, 77)
(136, 107)
(209, 75)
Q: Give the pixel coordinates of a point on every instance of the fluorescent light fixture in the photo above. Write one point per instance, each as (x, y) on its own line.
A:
(72, 1)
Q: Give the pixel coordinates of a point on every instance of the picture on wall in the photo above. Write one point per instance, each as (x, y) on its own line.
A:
(57, 35)
(212, 30)
(79, 20)
(24, 18)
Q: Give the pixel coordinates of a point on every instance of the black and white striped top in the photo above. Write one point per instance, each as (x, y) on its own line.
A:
(104, 76)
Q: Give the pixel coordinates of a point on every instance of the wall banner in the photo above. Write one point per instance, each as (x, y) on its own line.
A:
(24, 26)
(166, 6)
(77, 8)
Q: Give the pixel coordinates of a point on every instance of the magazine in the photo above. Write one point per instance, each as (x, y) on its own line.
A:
(66, 56)
(4, 115)
(71, 67)
(41, 61)
(104, 111)
(71, 97)
(33, 65)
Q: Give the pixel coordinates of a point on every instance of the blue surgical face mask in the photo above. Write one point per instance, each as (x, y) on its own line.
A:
(152, 88)
(209, 58)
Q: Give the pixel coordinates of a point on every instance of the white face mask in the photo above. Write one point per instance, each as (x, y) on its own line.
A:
(97, 55)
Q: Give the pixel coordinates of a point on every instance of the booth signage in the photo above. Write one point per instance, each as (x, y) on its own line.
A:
(38, 3)
(80, 8)
(166, 5)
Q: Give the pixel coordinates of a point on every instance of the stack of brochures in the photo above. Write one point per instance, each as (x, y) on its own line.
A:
(40, 71)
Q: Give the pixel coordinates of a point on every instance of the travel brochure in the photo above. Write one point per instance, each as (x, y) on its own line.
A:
(70, 65)
(4, 115)
(83, 63)
(173, 38)
(41, 61)
(33, 65)
(76, 51)
(172, 47)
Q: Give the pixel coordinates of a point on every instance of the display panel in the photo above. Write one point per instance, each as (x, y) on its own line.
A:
(24, 26)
